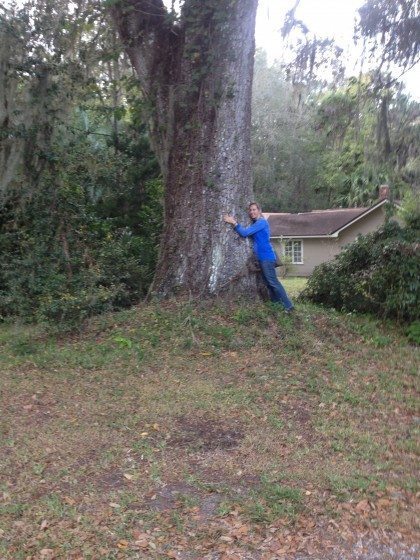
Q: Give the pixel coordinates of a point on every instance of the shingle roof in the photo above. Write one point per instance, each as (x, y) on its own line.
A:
(317, 222)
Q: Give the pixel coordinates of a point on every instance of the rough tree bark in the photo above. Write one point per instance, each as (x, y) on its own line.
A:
(195, 75)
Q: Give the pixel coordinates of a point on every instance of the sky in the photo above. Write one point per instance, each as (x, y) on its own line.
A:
(325, 19)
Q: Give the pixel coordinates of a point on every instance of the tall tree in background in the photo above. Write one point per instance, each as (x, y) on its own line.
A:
(390, 30)
(285, 144)
(195, 73)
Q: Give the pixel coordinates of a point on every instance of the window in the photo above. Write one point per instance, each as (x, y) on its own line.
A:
(293, 250)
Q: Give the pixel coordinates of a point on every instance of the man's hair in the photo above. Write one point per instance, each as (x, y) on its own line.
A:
(254, 204)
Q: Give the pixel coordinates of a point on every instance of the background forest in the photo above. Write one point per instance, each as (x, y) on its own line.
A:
(81, 195)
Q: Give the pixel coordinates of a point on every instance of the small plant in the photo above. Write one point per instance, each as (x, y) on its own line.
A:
(224, 508)
(413, 332)
(380, 341)
(273, 500)
(123, 342)
(23, 347)
(276, 422)
(286, 266)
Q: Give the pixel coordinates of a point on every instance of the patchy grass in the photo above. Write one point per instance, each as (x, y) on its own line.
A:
(202, 428)
(294, 285)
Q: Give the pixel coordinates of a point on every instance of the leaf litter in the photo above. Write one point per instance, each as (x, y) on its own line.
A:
(206, 453)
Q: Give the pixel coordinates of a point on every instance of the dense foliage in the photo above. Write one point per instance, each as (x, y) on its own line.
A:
(378, 273)
(81, 198)
(81, 245)
(334, 147)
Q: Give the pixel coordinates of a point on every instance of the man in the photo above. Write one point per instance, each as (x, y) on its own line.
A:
(264, 252)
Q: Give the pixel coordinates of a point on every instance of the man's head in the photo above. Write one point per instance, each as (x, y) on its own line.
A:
(254, 211)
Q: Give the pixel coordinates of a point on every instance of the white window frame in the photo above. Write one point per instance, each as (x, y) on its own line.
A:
(292, 242)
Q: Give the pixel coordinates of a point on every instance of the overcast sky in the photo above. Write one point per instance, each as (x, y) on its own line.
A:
(324, 18)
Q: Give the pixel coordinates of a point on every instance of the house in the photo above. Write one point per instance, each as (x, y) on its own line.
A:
(310, 238)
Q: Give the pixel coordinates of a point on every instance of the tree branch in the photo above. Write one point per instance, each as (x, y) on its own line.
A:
(138, 19)
(152, 43)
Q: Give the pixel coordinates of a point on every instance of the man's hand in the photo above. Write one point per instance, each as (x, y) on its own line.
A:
(230, 219)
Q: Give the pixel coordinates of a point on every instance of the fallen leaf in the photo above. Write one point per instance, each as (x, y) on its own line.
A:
(310, 549)
(241, 531)
(363, 506)
(69, 500)
(47, 554)
(226, 539)
(383, 502)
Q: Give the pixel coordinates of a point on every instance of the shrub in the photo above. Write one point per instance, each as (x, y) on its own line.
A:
(413, 332)
(60, 275)
(378, 273)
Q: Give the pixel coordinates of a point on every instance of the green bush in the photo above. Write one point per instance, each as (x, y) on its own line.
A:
(62, 274)
(413, 332)
(378, 273)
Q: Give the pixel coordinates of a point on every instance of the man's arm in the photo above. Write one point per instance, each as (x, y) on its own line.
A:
(253, 228)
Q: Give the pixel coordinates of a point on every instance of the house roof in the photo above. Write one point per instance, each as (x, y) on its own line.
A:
(317, 223)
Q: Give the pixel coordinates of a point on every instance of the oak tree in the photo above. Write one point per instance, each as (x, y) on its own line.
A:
(194, 72)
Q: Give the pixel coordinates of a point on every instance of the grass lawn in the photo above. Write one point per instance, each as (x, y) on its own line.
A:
(294, 285)
(198, 431)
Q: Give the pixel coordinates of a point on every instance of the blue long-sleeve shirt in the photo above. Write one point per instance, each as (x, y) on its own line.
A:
(260, 233)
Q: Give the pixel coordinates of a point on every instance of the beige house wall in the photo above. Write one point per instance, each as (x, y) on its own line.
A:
(319, 250)
(315, 251)
(366, 225)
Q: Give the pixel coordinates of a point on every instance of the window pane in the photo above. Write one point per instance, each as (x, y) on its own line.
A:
(293, 250)
(288, 249)
(297, 252)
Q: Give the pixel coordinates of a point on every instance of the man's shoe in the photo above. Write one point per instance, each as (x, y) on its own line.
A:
(290, 310)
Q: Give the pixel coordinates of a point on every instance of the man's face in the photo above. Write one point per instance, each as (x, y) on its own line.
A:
(254, 212)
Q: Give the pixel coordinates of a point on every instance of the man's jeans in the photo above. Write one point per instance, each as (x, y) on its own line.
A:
(277, 292)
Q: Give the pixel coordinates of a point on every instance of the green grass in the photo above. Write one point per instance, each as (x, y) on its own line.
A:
(294, 285)
(200, 420)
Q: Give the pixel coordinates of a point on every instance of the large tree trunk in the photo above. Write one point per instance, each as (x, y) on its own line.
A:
(196, 78)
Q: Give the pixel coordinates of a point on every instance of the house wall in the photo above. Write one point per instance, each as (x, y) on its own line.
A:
(315, 251)
(319, 250)
(368, 224)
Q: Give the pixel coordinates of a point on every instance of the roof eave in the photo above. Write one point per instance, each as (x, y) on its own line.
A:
(320, 236)
(361, 216)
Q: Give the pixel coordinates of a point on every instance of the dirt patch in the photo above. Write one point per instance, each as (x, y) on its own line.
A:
(31, 410)
(205, 434)
(297, 412)
(110, 480)
(182, 496)
(170, 496)
(339, 334)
